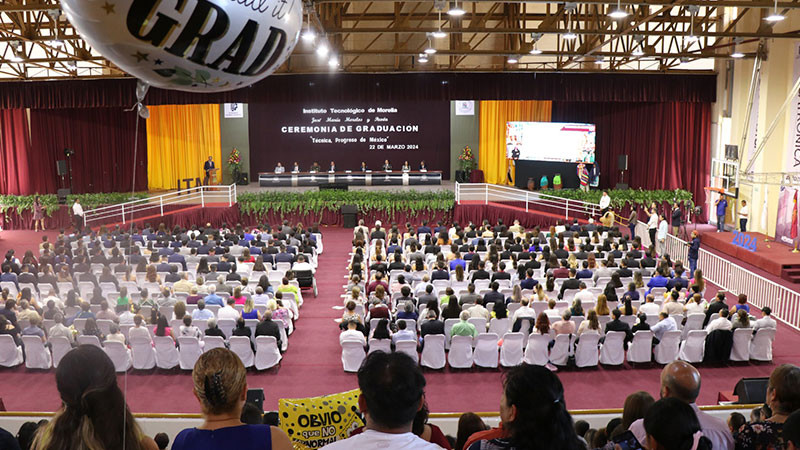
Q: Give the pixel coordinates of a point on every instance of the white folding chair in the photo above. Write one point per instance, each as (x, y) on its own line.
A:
(761, 345)
(511, 350)
(189, 351)
(612, 351)
(119, 355)
(384, 345)
(586, 351)
(241, 346)
(226, 326)
(667, 349)
(480, 324)
(60, 346)
(693, 348)
(741, 344)
(267, 353)
(693, 322)
(641, 348)
(409, 348)
(36, 354)
(448, 327)
(559, 354)
(433, 356)
(142, 353)
(536, 352)
(499, 326)
(212, 342)
(485, 353)
(461, 352)
(353, 355)
(167, 355)
(89, 340)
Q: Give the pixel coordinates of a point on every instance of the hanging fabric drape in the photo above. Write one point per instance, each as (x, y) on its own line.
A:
(493, 117)
(14, 149)
(180, 138)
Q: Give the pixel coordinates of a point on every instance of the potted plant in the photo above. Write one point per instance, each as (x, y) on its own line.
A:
(466, 160)
(235, 164)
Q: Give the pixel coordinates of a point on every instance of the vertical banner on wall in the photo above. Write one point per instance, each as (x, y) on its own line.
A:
(786, 227)
(793, 155)
(315, 422)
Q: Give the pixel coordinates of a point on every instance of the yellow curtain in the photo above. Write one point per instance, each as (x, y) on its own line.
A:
(180, 138)
(493, 117)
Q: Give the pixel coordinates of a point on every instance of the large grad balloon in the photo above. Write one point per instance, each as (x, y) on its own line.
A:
(190, 45)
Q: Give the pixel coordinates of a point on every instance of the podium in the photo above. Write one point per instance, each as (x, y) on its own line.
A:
(212, 178)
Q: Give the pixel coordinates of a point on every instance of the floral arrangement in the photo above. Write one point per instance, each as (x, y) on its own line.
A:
(467, 160)
(234, 162)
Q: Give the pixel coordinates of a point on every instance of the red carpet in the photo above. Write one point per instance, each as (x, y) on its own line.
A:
(312, 365)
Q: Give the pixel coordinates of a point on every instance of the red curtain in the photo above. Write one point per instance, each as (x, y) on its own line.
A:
(103, 140)
(14, 147)
(668, 144)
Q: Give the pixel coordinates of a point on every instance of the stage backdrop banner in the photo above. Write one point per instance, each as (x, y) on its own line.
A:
(349, 133)
(786, 227)
(793, 155)
(180, 138)
(494, 116)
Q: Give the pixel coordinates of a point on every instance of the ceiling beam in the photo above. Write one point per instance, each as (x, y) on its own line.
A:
(506, 30)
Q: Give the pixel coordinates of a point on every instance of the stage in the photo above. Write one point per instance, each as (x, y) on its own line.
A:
(772, 257)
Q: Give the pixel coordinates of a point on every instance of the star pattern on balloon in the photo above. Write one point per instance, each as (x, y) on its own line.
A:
(158, 62)
(109, 8)
(140, 56)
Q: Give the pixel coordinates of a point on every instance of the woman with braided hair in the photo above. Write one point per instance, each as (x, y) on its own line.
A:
(220, 385)
(93, 415)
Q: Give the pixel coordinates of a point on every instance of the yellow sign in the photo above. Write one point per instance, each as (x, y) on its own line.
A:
(315, 422)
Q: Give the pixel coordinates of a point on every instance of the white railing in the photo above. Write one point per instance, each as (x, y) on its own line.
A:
(151, 206)
(485, 193)
(761, 292)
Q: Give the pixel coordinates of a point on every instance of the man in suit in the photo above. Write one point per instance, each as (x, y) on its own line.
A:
(440, 273)
(501, 274)
(493, 295)
(585, 272)
(284, 256)
(569, 283)
(431, 326)
(163, 265)
(26, 277)
(424, 229)
(427, 296)
(529, 282)
(269, 328)
(9, 276)
(177, 258)
(618, 325)
(624, 271)
(207, 167)
(717, 305)
(481, 273)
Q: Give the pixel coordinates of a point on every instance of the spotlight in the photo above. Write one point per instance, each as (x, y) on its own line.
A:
(737, 54)
(455, 10)
(430, 50)
(569, 35)
(775, 16)
(333, 62)
(535, 51)
(309, 35)
(438, 34)
(323, 50)
(423, 58)
(618, 12)
(513, 59)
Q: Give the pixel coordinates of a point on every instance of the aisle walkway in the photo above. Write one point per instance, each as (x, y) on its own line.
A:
(312, 365)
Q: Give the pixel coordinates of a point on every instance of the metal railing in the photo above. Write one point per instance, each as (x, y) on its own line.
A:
(761, 292)
(495, 193)
(126, 212)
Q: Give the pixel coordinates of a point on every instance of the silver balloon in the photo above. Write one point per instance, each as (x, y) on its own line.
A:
(206, 45)
(144, 111)
(141, 90)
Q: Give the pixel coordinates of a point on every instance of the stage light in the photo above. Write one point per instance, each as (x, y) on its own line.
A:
(430, 50)
(775, 16)
(438, 34)
(513, 59)
(309, 35)
(535, 51)
(618, 12)
(455, 11)
(569, 35)
(737, 54)
(333, 62)
(323, 50)
(423, 58)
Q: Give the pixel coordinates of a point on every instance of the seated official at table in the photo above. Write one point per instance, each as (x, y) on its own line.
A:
(296, 168)
(406, 167)
(280, 169)
(332, 168)
(364, 166)
(314, 167)
(422, 165)
(386, 165)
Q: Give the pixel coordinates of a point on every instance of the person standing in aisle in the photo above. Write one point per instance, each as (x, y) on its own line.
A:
(652, 225)
(663, 227)
(722, 206)
(676, 218)
(77, 216)
(632, 220)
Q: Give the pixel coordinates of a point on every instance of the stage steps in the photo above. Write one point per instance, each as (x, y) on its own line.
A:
(791, 273)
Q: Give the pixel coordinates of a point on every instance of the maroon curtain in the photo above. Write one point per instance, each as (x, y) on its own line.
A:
(15, 177)
(668, 144)
(103, 140)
